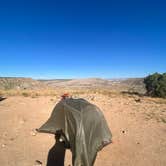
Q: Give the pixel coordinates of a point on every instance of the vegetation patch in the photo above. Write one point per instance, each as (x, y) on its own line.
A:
(156, 85)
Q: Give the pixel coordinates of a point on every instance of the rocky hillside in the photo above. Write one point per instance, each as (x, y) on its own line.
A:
(7, 83)
(132, 84)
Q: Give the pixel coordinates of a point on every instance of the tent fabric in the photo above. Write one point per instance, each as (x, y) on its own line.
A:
(84, 127)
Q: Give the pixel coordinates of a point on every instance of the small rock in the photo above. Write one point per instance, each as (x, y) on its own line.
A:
(22, 121)
(12, 139)
(51, 99)
(138, 100)
(3, 145)
(49, 136)
(123, 131)
(4, 134)
(33, 132)
(38, 163)
(92, 98)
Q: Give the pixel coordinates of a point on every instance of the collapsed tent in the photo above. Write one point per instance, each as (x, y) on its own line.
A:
(84, 127)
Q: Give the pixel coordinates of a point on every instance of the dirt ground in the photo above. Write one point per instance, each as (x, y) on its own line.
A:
(138, 127)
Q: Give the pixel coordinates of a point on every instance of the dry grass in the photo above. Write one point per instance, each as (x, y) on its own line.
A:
(57, 92)
(152, 108)
(29, 93)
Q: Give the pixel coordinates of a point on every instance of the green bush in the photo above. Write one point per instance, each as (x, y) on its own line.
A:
(156, 85)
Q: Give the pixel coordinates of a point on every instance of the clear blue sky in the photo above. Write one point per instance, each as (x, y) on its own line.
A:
(82, 38)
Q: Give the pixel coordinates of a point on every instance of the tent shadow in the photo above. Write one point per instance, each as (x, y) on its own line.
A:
(2, 98)
(56, 154)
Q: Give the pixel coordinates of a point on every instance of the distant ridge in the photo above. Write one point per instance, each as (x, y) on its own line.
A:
(132, 84)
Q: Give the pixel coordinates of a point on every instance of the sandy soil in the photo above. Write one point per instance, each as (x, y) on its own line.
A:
(138, 128)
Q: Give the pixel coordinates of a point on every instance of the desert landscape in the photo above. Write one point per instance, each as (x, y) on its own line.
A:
(110, 53)
(137, 122)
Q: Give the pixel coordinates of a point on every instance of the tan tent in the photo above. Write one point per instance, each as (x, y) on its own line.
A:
(84, 127)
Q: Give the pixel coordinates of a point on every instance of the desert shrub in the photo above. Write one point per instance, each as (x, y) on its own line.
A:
(156, 85)
(25, 94)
